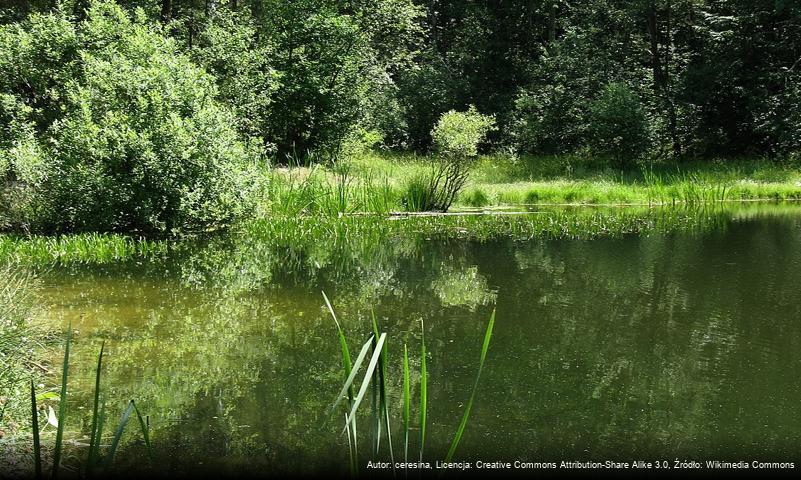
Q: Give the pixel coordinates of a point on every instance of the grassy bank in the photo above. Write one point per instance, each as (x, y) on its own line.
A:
(383, 183)
(310, 201)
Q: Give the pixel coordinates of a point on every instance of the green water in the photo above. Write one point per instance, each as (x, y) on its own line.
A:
(661, 346)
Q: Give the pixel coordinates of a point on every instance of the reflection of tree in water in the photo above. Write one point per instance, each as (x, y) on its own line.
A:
(642, 345)
(667, 345)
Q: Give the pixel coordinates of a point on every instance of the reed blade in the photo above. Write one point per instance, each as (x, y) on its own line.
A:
(423, 389)
(466, 416)
(37, 448)
(348, 386)
(115, 443)
(384, 410)
(350, 450)
(145, 431)
(94, 446)
(347, 366)
(101, 422)
(62, 405)
(406, 404)
(367, 378)
(377, 412)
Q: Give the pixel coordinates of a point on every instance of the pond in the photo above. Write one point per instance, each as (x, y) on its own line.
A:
(671, 344)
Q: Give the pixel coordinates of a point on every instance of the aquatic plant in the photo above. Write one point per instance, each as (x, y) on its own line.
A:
(375, 375)
(95, 248)
(94, 458)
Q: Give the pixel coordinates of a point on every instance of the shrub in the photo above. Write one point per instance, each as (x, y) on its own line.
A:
(476, 198)
(456, 137)
(619, 125)
(112, 129)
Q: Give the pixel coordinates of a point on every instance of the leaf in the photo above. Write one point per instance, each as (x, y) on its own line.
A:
(463, 423)
(51, 416)
(367, 377)
(62, 405)
(349, 381)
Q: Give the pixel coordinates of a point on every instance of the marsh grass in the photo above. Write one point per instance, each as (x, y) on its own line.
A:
(92, 248)
(94, 460)
(509, 180)
(375, 374)
(21, 340)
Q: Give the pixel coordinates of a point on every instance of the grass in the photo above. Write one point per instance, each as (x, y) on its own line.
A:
(93, 458)
(21, 340)
(375, 375)
(91, 248)
(505, 180)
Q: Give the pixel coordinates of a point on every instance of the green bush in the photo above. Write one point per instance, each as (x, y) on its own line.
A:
(110, 128)
(476, 198)
(619, 125)
(456, 137)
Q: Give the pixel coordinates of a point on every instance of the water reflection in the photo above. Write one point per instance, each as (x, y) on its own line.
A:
(674, 344)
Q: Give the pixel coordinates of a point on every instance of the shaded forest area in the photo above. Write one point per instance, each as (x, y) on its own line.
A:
(156, 115)
(689, 77)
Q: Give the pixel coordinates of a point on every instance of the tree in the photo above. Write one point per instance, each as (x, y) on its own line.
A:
(112, 129)
(618, 125)
(456, 138)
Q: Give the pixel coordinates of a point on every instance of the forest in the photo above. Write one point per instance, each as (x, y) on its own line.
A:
(160, 116)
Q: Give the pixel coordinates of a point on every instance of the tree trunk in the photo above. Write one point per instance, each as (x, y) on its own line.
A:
(166, 11)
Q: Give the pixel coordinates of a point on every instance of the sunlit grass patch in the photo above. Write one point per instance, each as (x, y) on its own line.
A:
(78, 248)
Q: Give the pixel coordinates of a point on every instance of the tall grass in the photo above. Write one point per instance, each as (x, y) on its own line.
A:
(79, 248)
(374, 374)
(377, 183)
(317, 191)
(18, 343)
(98, 419)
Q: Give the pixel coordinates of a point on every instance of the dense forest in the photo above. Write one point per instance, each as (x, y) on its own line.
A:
(210, 90)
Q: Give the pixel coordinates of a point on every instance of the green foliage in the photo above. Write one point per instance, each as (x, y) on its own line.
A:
(456, 136)
(114, 130)
(228, 49)
(17, 342)
(619, 125)
(334, 63)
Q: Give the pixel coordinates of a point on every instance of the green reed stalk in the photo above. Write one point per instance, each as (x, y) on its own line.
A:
(423, 388)
(463, 424)
(62, 405)
(367, 377)
(144, 425)
(126, 415)
(347, 368)
(383, 410)
(406, 404)
(37, 449)
(94, 440)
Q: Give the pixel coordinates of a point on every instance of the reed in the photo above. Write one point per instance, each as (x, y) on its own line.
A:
(98, 420)
(459, 431)
(375, 375)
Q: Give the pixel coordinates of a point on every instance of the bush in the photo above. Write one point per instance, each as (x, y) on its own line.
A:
(456, 137)
(619, 125)
(112, 129)
(476, 198)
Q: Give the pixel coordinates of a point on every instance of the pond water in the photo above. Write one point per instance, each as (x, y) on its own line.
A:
(661, 346)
